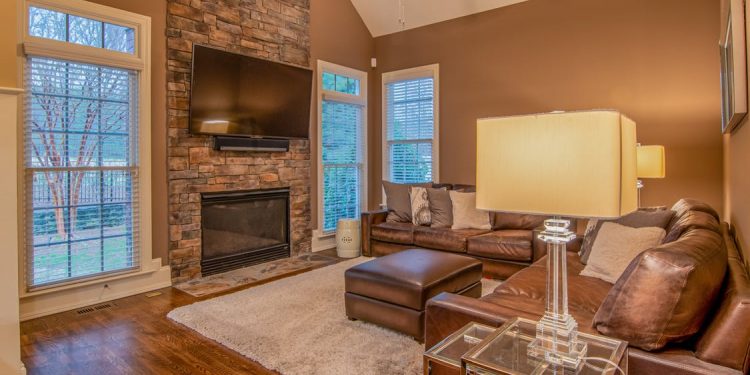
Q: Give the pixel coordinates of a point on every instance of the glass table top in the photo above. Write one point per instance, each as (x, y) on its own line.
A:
(453, 347)
(505, 352)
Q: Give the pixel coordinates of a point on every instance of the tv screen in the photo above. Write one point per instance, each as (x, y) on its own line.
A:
(244, 96)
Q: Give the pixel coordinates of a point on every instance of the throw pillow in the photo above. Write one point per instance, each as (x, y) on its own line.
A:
(465, 213)
(637, 219)
(441, 208)
(420, 206)
(616, 246)
(397, 201)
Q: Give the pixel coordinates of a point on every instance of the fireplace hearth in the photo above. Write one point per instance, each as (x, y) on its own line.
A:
(243, 228)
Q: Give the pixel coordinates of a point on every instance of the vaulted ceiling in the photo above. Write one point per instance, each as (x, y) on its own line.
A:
(382, 16)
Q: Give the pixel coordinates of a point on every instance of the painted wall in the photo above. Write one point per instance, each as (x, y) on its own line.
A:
(10, 336)
(655, 61)
(737, 181)
(8, 44)
(337, 35)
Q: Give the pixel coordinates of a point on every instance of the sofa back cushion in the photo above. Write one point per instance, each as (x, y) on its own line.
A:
(689, 214)
(502, 220)
(726, 341)
(666, 292)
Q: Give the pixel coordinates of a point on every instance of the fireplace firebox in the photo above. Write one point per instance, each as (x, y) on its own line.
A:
(242, 228)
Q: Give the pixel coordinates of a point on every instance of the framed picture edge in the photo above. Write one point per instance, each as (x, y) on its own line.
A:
(733, 78)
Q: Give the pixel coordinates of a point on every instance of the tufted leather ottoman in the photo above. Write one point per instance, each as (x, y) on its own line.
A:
(391, 291)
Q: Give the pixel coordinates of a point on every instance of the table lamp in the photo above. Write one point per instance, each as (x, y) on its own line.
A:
(562, 164)
(651, 164)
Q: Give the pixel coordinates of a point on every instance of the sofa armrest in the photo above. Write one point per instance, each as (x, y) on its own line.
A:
(539, 247)
(369, 219)
(447, 312)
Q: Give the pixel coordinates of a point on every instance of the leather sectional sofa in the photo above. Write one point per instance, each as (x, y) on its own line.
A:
(504, 250)
(684, 306)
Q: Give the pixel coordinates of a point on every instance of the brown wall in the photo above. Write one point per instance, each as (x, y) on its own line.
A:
(157, 10)
(655, 61)
(737, 181)
(337, 35)
(8, 44)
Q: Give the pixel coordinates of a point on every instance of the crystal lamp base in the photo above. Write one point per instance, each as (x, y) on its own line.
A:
(556, 340)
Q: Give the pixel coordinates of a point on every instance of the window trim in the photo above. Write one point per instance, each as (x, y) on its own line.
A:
(140, 61)
(426, 71)
(361, 99)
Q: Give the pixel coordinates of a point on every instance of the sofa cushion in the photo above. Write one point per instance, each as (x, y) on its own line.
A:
(616, 246)
(411, 277)
(637, 219)
(666, 292)
(445, 238)
(465, 212)
(726, 340)
(503, 220)
(585, 294)
(397, 200)
(502, 244)
(402, 233)
(420, 206)
(441, 208)
(691, 220)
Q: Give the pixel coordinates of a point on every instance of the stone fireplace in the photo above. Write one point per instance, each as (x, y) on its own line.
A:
(277, 30)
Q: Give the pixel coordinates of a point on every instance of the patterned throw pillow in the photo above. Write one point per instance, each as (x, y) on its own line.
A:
(420, 206)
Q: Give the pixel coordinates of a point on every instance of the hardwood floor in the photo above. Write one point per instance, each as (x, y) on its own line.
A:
(134, 336)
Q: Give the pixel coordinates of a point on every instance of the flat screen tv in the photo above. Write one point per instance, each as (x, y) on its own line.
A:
(236, 95)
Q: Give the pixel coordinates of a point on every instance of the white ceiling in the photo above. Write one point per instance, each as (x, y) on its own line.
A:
(382, 16)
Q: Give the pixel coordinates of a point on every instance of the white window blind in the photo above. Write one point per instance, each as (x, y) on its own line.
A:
(410, 124)
(80, 157)
(342, 167)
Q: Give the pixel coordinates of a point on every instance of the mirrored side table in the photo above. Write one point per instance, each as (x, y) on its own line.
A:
(445, 357)
(505, 352)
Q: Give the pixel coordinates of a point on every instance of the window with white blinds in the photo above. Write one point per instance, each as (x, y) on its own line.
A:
(343, 107)
(81, 154)
(410, 137)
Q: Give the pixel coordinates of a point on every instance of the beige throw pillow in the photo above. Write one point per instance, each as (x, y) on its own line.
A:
(465, 213)
(616, 246)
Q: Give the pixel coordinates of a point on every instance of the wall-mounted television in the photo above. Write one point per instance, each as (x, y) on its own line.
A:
(237, 95)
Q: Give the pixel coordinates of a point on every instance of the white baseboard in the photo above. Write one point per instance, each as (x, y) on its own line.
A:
(35, 306)
(322, 241)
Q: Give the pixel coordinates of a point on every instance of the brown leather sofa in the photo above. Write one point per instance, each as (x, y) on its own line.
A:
(504, 250)
(716, 343)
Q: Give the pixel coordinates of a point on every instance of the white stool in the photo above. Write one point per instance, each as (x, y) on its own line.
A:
(347, 238)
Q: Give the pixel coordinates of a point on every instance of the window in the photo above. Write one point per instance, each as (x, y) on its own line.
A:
(86, 80)
(342, 141)
(410, 133)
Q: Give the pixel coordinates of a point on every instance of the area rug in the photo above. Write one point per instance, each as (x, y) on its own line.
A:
(298, 326)
(254, 274)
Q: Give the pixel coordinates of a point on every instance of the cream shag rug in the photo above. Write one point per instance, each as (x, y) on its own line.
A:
(298, 325)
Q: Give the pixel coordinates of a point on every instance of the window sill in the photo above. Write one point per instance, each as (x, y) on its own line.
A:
(149, 268)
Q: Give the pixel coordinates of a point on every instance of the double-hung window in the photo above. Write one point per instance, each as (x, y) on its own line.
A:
(410, 131)
(86, 142)
(342, 134)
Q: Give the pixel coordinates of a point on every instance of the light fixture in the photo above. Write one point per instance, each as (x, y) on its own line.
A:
(562, 164)
(651, 164)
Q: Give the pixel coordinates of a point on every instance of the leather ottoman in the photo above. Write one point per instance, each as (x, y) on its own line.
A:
(392, 291)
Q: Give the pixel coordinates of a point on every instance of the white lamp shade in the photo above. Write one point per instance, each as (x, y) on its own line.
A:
(578, 164)
(651, 162)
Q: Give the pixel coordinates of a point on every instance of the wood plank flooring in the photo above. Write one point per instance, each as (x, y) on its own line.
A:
(132, 337)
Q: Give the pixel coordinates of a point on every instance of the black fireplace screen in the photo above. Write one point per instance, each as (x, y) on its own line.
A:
(243, 228)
